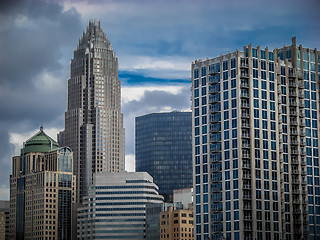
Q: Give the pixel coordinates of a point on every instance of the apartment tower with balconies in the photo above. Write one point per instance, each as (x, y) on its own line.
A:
(255, 133)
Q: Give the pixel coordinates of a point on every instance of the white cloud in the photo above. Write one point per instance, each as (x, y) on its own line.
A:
(131, 93)
(4, 192)
(155, 63)
(130, 165)
(45, 81)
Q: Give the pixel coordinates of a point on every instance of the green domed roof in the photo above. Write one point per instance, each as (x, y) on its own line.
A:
(40, 142)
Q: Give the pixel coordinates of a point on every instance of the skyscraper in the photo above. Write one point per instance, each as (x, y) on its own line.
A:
(163, 148)
(41, 190)
(94, 122)
(255, 144)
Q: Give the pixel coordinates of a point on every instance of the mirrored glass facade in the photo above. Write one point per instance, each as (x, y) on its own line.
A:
(163, 148)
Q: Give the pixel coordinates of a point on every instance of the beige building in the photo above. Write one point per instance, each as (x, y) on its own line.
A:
(4, 219)
(176, 224)
(42, 190)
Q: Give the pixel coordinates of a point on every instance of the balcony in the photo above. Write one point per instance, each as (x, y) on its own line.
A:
(244, 75)
(295, 171)
(246, 166)
(301, 105)
(292, 84)
(292, 94)
(293, 132)
(246, 145)
(245, 135)
(247, 155)
(302, 134)
(247, 186)
(301, 95)
(301, 114)
(214, 80)
(295, 162)
(246, 176)
(293, 123)
(296, 191)
(292, 74)
(294, 152)
(293, 104)
(293, 113)
(245, 115)
(244, 85)
(245, 125)
(247, 197)
(247, 218)
(244, 95)
(296, 181)
(244, 65)
(245, 105)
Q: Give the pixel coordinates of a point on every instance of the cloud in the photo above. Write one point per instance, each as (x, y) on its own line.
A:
(145, 100)
(34, 72)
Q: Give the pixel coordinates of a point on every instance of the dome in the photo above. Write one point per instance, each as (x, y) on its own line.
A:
(40, 142)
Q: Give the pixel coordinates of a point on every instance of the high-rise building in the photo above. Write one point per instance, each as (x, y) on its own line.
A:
(255, 144)
(94, 122)
(115, 207)
(163, 148)
(42, 190)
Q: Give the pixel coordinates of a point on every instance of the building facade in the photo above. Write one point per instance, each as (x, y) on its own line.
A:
(115, 207)
(176, 224)
(163, 148)
(42, 190)
(255, 144)
(94, 122)
(4, 219)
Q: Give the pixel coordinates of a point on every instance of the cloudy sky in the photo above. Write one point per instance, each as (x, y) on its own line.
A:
(156, 41)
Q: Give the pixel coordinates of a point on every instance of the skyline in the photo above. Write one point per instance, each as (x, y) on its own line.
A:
(155, 45)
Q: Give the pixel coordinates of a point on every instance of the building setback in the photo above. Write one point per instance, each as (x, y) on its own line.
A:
(163, 148)
(94, 122)
(255, 144)
(42, 190)
(115, 207)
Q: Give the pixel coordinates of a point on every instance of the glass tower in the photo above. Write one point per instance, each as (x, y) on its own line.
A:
(255, 144)
(94, 122)
(163, 149)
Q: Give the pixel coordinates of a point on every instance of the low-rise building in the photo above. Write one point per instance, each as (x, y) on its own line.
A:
(115, 207)
(176, 224)
(4, 219)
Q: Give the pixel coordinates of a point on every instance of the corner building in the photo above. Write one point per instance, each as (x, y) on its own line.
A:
(42, 191)
(255, 144)
(94, 122)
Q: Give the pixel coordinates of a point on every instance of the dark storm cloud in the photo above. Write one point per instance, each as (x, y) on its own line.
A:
(33, 37)
(152, 101)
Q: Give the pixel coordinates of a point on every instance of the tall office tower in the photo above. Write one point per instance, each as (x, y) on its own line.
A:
(163, 148)
(115, 207)
(41, 190)
(94, 122)
(255, 144)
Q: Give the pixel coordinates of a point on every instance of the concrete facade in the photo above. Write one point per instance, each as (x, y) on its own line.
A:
(4, 219)
(176, 224)
(94, 122)
(255, 144)
(42, 190)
